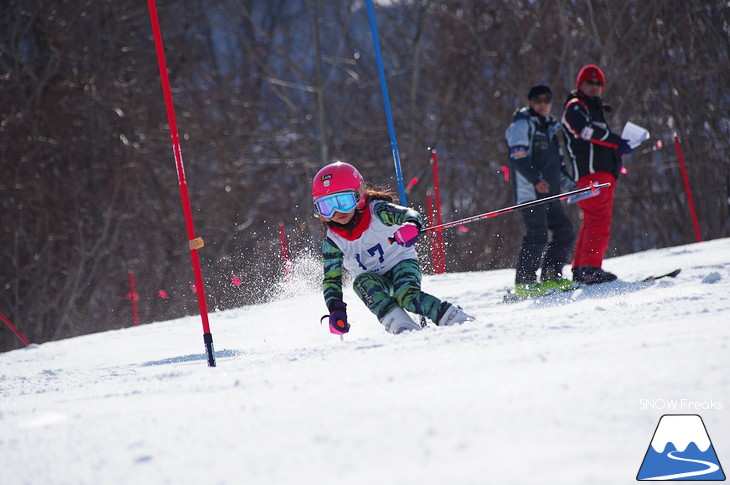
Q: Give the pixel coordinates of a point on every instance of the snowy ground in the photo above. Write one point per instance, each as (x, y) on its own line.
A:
(563, 391)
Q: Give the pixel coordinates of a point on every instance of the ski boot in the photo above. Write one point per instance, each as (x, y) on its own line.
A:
(454, 315)
(528, 290)
(557, 284)
(398, 321)
(590, 275)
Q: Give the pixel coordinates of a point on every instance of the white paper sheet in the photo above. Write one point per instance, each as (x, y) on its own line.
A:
(635, 134)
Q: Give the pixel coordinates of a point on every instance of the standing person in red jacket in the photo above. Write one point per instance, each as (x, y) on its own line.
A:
(596, 155)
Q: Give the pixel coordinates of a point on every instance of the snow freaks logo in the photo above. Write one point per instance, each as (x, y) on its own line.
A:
(680, 450)
(680, 405)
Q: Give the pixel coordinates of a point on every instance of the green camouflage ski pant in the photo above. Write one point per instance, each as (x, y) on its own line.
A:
(398, 287)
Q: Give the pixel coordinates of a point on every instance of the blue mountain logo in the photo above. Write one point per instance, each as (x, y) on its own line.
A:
(681, 450)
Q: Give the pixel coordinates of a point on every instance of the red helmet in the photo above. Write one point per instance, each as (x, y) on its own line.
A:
(338, 177)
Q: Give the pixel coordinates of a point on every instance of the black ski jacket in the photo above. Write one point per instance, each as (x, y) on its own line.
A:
(534, 153)
(588, 138)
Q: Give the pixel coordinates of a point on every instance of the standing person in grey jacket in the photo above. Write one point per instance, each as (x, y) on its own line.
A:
(536, 159)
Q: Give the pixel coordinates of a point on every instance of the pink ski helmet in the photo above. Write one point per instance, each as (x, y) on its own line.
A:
(338, 177)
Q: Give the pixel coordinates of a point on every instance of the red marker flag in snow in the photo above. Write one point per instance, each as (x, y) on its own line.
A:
(162, 294)
(236, 281)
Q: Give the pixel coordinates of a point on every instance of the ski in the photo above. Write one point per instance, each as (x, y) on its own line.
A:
(671, 274)
(510, 296)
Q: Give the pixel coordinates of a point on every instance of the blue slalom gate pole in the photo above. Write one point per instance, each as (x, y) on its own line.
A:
(386, 102)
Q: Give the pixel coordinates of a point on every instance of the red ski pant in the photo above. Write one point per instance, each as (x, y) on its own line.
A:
(596, 230)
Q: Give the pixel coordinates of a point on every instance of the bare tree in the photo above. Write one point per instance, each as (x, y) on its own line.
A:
(267, 92)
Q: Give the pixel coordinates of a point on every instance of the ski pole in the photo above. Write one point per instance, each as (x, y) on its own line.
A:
(532, 203)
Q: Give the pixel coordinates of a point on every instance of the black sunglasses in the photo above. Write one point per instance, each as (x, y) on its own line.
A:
(591, 82)
(542, 99)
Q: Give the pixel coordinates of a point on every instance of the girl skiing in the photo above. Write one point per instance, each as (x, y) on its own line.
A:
(373, 239)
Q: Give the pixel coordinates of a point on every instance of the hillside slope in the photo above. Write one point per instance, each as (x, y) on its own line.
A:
(563, 390)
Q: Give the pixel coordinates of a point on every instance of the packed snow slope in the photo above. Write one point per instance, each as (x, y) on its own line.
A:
(564, 390)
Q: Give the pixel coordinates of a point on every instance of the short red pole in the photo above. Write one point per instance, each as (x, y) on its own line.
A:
(14, 330)
(433, 241)
(441, 256)
(133, 297)
(677, 145)
(194, 243)
(505, 173)
(284, 249)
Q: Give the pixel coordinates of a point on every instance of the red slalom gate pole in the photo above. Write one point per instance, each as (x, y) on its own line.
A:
(432, 240)
(441, 256)
(14, 330)
(194, 242)
(284, 250)
(133, 297)
(677, 145)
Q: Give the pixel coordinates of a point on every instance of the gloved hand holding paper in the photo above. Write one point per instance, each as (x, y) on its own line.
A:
(635, 134)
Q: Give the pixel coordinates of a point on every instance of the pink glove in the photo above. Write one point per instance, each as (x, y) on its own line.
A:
(406, 235)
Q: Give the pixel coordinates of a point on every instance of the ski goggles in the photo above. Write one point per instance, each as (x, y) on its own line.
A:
(344, 202)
